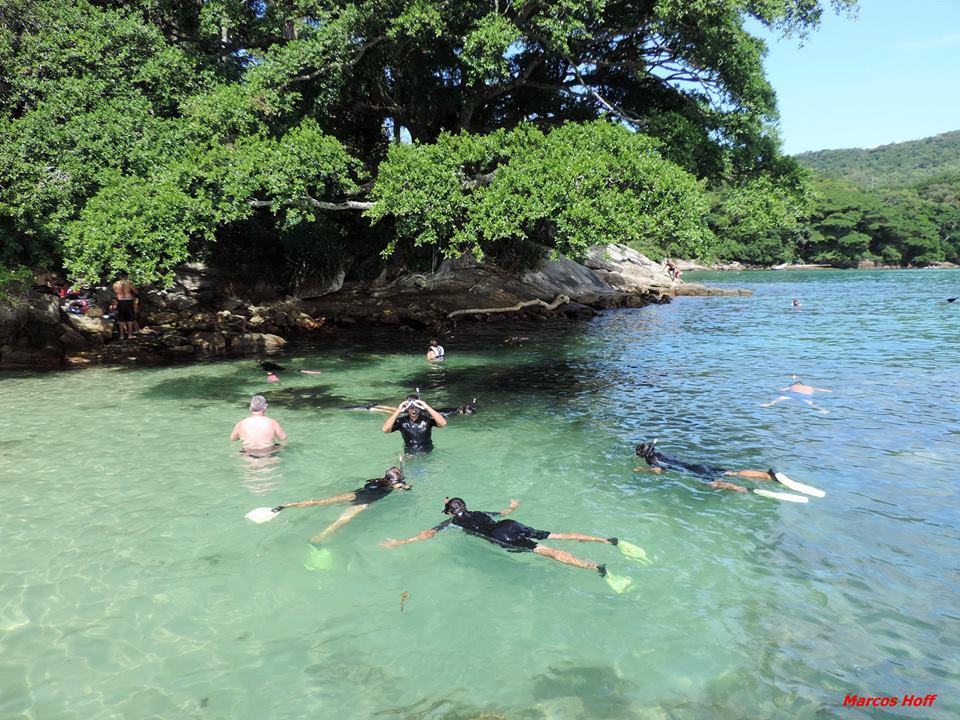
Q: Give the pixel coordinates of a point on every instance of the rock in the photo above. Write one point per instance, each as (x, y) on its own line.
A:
(229, 303)
(171, 340)
(95, 311)
(97, 327)
(43, 310)
(251, 342)
(180, 302)
(209, 342)
(578, 311)
(318, 287)
(305, 322)
(164, 317)
(71, 338)
(626, 269)
(694, 289)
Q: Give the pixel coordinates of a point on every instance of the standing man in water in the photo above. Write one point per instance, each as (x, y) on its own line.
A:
(436, 351)
(416, 426)
(258, 432)
(126, 310)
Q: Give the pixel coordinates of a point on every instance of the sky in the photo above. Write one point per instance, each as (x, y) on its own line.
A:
(890, 74)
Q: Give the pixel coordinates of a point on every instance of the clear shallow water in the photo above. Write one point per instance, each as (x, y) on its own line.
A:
(131, 586)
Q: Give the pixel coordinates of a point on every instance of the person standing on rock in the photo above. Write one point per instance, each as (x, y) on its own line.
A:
(258, 432)
(126, 294)
(416, 426)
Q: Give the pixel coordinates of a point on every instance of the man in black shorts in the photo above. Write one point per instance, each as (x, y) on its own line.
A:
(360, 499)
(416, 425)
(657, 462)
(509, 534)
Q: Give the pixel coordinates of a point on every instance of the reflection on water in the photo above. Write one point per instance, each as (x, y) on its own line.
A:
(138, 589)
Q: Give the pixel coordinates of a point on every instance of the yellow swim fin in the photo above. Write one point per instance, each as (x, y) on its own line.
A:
(320, 559)
(629, 550)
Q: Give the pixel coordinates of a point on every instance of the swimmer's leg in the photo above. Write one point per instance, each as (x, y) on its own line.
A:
(817, 407)
(564, 557)
(721, 485)
(750, 474)
(345, 517)
(579, 536)
(775, 401)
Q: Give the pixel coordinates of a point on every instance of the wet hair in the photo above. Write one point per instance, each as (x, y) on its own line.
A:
(393, 476)
(646, 450)
(433, 342)
(454, 506)
(258, 403)
(411, 398)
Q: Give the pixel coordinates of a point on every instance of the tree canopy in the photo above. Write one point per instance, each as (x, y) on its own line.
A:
(135, 135)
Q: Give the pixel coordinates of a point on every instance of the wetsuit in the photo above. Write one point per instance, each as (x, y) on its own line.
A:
(125, 311)
(448, 411)
(371, 492)
(416, 435)
(668, 462)
(514, 536)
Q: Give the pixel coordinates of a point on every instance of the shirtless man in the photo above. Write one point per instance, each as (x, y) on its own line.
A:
(797, 390)
(258, 432)
(126, 310)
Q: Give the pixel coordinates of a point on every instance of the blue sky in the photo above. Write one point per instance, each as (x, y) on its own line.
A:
(888, 75)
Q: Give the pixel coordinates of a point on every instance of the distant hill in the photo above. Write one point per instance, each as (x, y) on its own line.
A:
(896, 165)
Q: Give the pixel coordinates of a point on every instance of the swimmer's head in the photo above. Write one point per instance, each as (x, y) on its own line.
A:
(258, 403)
(394, 478)
(469, 409)
(646, 450)
(433, 343)
(454, 506)
(412, 408)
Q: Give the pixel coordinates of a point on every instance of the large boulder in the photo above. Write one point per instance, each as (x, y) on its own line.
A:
(213, 343)
(626, 269)
(253, 342)
(91, 326)
(43, 310)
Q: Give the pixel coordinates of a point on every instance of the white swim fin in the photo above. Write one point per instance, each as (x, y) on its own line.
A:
(799, 487)
(786, 497)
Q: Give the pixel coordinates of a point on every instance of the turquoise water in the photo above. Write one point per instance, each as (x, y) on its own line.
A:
(131, 586)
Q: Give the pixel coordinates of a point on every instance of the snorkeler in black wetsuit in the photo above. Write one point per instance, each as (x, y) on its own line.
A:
(509, 534)
(657, 462)
(416, 426)
(360, 499)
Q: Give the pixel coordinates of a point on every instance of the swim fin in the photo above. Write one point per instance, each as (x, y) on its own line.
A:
(262, 514)
(794, 485)
(320, 559)
(787, 497)
(629, 550)
(617, 583)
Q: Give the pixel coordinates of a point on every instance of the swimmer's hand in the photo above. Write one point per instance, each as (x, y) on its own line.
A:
(390, 543)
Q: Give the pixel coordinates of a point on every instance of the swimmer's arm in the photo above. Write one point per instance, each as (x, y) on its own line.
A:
(439, 419)
(235, 435)
(345, 497)
(425, 535)
(821, 390)
(279, 431)
(514, 504)
(388, 425)
(647, 468)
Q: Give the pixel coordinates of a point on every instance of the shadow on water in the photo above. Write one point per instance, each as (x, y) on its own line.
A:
(202, 390)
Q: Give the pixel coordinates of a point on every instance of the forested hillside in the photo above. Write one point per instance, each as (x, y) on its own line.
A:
(319, 137)
(896, 204)
(896, 165)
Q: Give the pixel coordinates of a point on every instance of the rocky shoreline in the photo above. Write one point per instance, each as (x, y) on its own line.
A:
(207, 312)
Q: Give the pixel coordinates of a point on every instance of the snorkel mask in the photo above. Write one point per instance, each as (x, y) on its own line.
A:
(454, 506)
(646, 450)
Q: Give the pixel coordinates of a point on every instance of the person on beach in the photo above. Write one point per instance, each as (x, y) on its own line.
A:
(359, 499)
(258, 433)
(126, 308)
(511, 535)
(436, 351)
(416, 425)
(657, 462)
(797, 390)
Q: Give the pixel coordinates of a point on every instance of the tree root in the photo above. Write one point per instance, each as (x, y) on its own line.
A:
(557, 302)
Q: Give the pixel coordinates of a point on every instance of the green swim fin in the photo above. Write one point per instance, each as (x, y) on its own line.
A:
(617, 583)
(628, 549)
(320, 559)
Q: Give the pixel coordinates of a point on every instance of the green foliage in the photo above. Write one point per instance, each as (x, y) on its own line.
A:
(568, 189)
(135, 135)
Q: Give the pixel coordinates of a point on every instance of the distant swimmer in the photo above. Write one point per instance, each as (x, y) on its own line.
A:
(416, 425)
(436, 351)
(516, 340)
(796, 303)
(657, 462)
(272, 369)
(258, 432)
(797, 390)
(517, 537)
(951, 299)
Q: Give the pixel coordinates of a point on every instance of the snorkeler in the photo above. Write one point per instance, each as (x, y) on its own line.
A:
(361, 498)
(517, 537)
(416, 425)
(797, 390)
(657, 462)
(272, 369)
